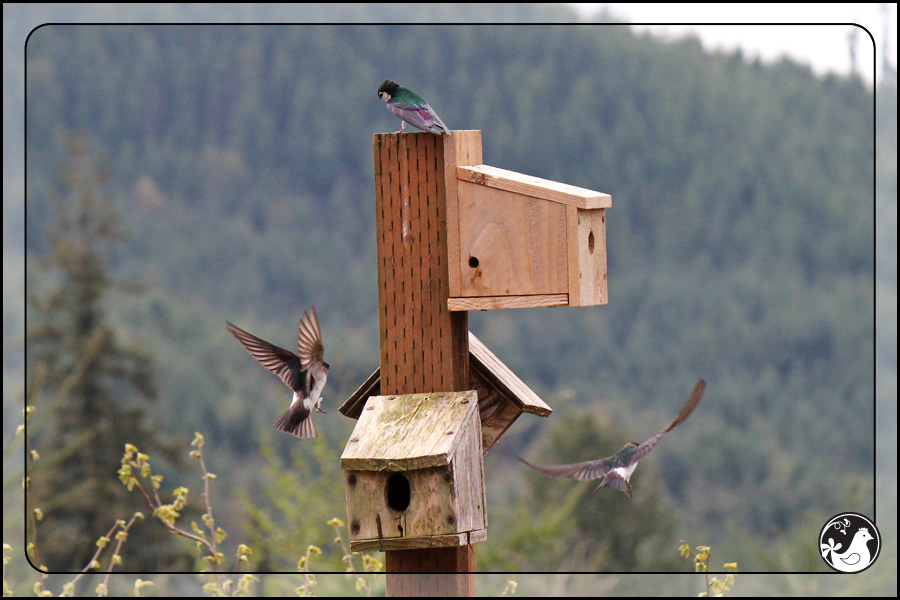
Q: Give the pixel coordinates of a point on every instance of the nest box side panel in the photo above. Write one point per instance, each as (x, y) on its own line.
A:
(510, 244)
(467, 153)
(587, 249)
(433, 506)
(468, 489)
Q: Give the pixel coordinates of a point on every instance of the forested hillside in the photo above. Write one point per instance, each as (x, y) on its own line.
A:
(740, 246)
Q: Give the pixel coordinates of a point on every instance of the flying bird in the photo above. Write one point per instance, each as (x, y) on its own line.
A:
(616, 470)
(411, 108)
(304, 374)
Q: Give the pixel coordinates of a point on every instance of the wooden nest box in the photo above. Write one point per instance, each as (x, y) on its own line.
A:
(518, 241)
(453, 235)
(414, 474)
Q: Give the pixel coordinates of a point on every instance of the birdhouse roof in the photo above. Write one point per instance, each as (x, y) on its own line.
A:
(500, 377)
(535, 187)
(502, 396)
(411, 431)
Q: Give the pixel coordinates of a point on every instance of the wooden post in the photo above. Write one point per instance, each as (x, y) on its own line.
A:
(424, 346)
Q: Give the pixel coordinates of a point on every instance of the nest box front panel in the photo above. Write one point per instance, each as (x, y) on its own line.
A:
(587, 262)
(391, 505)
(414, 473)
(510, 244)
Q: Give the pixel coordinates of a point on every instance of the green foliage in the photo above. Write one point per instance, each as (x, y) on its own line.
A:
(92, 387)
(136, 474)
(562, 526)
(714, 586)
(287, 516)
(740, 239)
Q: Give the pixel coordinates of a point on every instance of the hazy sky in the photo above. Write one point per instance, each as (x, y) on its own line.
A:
(825, 47)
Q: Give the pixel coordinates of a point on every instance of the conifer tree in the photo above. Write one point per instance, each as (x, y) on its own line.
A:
(89, 390)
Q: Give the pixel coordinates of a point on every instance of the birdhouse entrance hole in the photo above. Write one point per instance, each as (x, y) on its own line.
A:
(398, 492)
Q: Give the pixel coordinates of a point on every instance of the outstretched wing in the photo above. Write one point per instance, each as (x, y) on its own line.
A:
(689, 406)
(583, 471)
(283, 363)
(309, 341)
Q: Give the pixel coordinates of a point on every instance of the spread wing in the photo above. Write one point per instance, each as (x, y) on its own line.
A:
(583, 471)
(309, 341)
(689, 406)
(283, 363)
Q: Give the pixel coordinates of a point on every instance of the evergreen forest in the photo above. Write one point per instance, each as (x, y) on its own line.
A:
(176, 176)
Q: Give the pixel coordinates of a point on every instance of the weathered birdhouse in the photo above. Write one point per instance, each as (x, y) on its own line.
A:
(502, 396)
(413, 472)
(453, 235)
(518, 241)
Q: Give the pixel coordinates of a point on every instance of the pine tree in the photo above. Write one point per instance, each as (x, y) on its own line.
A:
(89, 390)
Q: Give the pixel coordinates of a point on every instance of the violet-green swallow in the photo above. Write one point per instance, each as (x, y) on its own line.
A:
(411, 108)
(616, 470)
(304, 374)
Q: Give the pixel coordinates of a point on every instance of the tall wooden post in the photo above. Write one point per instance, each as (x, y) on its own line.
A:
(424, 346)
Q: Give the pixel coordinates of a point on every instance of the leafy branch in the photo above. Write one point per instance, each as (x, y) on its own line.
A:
(701, 565)
(136, 464)
(370, 564)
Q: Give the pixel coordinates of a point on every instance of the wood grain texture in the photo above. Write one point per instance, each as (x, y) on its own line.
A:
(528, 185)
(494, 302)
(433, 442)
(424, 346)
(526, 238)
(410, 431)
(432, 542)
(502, 396)
(492, 369)
(467, 152)
(451, 573)
(353, 406)
(587, 242)
(510, 244)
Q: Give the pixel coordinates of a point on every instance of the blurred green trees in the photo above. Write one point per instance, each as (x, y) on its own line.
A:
(90, 388)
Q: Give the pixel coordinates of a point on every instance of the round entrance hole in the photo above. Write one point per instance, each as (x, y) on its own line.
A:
(398, 492)
(473, 262)
(591, 242)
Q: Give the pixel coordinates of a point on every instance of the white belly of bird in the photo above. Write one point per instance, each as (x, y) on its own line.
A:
(625, 472)
(298, 398)
(316, 394)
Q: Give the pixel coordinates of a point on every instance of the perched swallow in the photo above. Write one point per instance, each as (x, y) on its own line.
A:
(616, 470)
(411, 108)
(297, 420)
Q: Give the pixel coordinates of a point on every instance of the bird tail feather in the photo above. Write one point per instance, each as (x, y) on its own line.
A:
(296, 425)
(615, 481)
